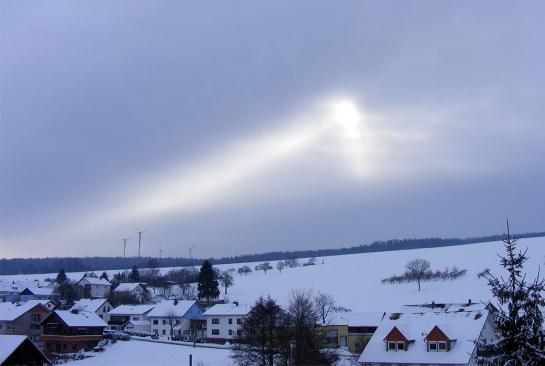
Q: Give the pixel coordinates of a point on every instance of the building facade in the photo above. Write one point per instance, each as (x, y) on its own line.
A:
(224, 321)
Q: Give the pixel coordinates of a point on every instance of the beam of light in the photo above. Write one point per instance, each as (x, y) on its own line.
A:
(226, 172)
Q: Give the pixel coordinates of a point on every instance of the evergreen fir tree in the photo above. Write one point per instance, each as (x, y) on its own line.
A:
(61, 277)
(135, 275)
(207, 286)
(104, 276)
(520, 320)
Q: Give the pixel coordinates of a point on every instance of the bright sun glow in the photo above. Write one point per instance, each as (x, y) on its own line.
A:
(347, 116)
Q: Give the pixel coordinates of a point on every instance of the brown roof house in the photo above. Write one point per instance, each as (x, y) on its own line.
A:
(66, 331)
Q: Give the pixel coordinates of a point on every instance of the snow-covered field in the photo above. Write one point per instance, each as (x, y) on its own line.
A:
(354, 280)
(137, 353)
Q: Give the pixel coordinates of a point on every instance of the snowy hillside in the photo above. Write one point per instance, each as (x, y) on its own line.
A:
(354, 280)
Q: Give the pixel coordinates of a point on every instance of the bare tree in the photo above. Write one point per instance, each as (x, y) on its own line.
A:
(226, 280)
(244, 270)
(280, 266)
(172, 319)
(265, 266)
(324, 304)
(417, 270)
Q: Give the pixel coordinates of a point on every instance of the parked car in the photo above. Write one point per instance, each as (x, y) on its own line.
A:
(154, 336)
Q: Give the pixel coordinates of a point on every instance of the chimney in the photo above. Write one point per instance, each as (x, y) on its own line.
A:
(433, 304)
(468, 302)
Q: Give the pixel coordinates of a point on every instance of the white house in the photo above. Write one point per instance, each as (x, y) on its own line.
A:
(429, 335)
(137, 315)
(185, 316)
(92, 287)
(98, 306)
(132, 288)
(36, 293)
(223, 321)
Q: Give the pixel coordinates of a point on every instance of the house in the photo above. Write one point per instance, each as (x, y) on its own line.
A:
(23, 318)
(119, 317)
(223, 321)
(66, 331)
(442, 334)
(37, 293)
(9, 291)
(350, 329)
(185, 316)
(20, 350)
(93, 287)
(98, 306)
(135, 289)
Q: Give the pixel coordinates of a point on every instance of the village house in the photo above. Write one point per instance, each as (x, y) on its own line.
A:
(135, 289)
(224, 321)
(37, 293)
(20, 350)
(23, 318)
(94, 287)
(9, 291)
(98, 306)
(351, 330)
(67, 331)
(130, 317)
(185, 316)
(430, 335)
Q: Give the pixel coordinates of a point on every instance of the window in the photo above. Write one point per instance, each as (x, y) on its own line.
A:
(164, 322)
(215, 332)
(239, 321)
(215, 320)
(432, 346)
(442, 346)
(1, 326)
(396, 346)
(155, 321)
(230, 321)
(164, 332)
(35, 318)
(135, 318)
(74, 346)
(230, 332)
(239, 331)
(9, 327)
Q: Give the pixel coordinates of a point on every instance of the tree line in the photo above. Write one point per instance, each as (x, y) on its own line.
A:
(81, 264)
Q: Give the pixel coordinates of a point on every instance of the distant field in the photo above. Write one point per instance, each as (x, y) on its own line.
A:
(354, 280)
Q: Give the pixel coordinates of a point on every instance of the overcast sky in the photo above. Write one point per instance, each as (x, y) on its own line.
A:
(243, 127)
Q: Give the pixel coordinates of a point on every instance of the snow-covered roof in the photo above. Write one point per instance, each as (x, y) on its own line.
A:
(355, 319)
(463, 326)
(88, 304)
(166, 307)
(137, 322)
(10, 311)
(40, 291)
(8, 344)
(131, 310)
(228, 309)
(127, 286)
(96, 281)
(80, 319)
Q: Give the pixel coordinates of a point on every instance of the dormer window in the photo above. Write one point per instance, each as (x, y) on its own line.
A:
(396, 340)
(396, 346)
(438, 341)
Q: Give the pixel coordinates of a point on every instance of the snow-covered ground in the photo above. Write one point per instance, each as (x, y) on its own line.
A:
(355, 280)
(137, 353)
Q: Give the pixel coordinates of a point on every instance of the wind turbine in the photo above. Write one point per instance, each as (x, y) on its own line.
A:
(161, 251)
(190, 247)
(140, 232)
(125, 245)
